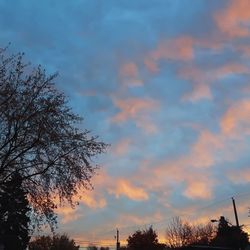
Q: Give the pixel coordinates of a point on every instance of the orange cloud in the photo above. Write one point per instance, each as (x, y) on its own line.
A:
(104, 184)
(68, 214)
(234, 20)
(94, 202)
(123, 187)
(236, 120)
(137, 110)
(199, 188)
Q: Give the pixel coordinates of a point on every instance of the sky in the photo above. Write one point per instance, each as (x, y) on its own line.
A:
(166, 84)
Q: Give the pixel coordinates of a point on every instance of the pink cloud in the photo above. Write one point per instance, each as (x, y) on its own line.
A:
(236, 120)
(199, 82)
(232, 68)
(234, 20)
(199, 91)
(137, 110)
(180, 48)
(129, 69)
(244, 49)
(197, 183)
(202, 152)
(239, 176)
(151, 65)
(202, 79)
(128, 75)
(192, 169)
(246, 89)
(122, 146)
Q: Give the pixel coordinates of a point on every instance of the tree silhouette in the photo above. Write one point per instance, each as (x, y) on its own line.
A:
(92, 248)
(230, 236)
(57, 242)
(14, 219)
(41, 139)
(146, 239)
(180, 233)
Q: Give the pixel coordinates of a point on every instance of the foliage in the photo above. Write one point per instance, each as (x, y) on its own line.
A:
(181, 234)
(146, 239)
(92, 248)
(40, 138)
(14, 209)
(57, 242)
(230, 236)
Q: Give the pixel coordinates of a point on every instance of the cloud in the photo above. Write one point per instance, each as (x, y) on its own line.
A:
(93, 201)
(180, 48)
(136, 109)
(231, 68)
(129, 70)
(124, 187)
(236, 120)
(68, 214)
(234, 20)
(199, 188)
(122, 147)
(195, 183)
(199, 91)
(105, 184)
(202, 79)
(128, 75)
(192, 170)
(244, 49)
(239, 177)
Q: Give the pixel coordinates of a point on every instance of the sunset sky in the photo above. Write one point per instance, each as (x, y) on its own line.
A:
(167, 84)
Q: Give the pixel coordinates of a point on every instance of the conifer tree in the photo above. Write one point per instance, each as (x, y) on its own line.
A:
(14, 219)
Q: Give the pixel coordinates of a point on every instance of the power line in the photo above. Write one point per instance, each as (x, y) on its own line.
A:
(161, 221)
(215, 203)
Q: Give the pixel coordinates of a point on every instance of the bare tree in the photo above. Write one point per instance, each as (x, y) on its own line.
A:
(40, 138)
(180, 233)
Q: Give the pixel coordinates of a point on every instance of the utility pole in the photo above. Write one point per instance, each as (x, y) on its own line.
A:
(235, 213)
(117, 240)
